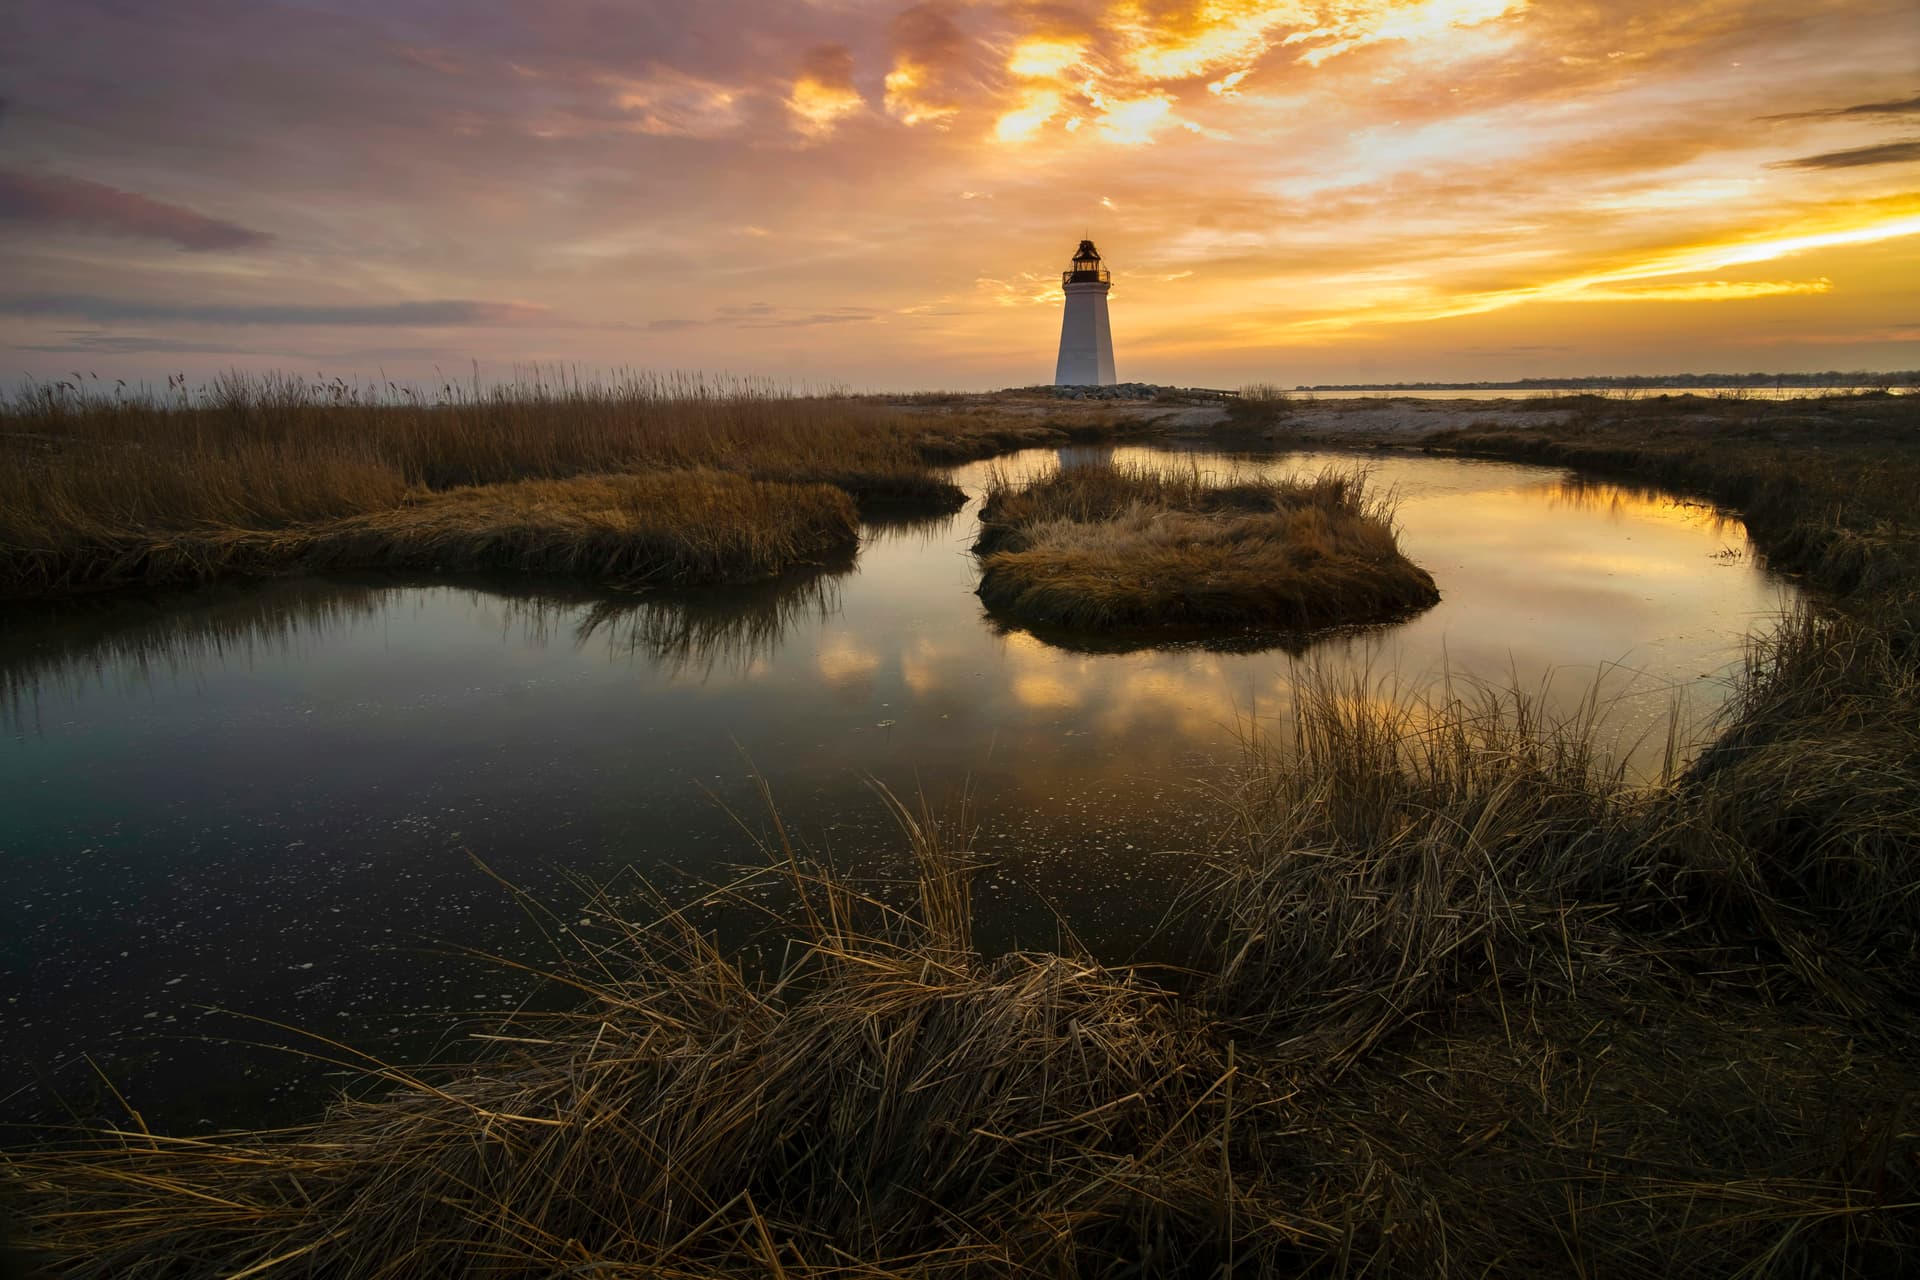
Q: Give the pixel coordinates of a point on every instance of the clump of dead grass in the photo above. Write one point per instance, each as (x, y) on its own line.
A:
(1488, 956)
(626, 530)
(1112, 547)
(885, 1100)
(101, 489)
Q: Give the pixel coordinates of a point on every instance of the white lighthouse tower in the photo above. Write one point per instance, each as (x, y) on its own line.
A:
(1086, 343)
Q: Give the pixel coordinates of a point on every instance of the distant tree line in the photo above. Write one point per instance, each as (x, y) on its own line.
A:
(1828, 378)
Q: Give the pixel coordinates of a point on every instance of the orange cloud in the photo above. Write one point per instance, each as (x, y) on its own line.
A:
(1280, 186)
(907, 99)
(824, 94)
(1617, 284)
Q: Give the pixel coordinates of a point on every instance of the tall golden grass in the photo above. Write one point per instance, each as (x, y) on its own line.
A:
(661, 528)
(1463, 1002)
(1114, 547)
(100, 489)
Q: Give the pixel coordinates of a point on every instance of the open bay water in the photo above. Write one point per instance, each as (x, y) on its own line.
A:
(1609, 393)
(265, 805)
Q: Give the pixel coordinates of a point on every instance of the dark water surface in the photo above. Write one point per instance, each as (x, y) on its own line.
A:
(267, 799)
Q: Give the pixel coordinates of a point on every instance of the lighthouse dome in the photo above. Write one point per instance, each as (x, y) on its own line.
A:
(1086, 267)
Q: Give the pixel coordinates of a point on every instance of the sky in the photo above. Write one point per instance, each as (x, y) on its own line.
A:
(880, 195)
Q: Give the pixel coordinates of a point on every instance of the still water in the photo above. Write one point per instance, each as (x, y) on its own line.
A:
(1612, 393)
(267, 801)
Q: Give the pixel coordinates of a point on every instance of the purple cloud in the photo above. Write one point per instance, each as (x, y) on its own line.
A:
(1885, 153)
(94, 206)
(437, 312)
(1899, 107)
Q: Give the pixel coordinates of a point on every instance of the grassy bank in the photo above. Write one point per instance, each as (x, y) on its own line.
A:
(1105, 547)
(660, 528)
(643, 480)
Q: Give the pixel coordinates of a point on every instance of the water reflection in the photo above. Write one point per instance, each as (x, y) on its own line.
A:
(128, 643)
(269, 797)
(1172, 639)
(897, 527)
(1085, 455)
(1622, 502)
(698, 634)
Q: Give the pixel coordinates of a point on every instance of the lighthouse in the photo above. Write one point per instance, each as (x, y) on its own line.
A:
(1086, 343)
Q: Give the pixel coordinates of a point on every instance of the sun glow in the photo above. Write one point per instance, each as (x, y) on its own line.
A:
(1215, 35)
(1134, 122)
(1038, 107)
(1714, 257)
(1619, 284)
(906, 99)
(1044, 58)
(1705, 291)
(820, 107)
(1350, 28)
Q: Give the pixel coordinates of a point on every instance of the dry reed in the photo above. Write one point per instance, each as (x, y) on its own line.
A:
(101, 489)
(1105, 547)
(629, 530)
(1454, 1010)
(886, 1098)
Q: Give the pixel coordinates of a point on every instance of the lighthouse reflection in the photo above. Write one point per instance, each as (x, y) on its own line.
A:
(1085, 455)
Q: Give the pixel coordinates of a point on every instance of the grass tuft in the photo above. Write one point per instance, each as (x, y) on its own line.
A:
(101, 490)
(651, 529)
(1106, 547)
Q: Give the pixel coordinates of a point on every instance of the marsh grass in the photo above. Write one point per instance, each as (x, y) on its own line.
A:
(1259, 406)
(1456, 1008)
(881, 1093)
(101, 489)
(1825, 487)
(1113, 547)
(1800, 824)
(666, 528)
(1541, 1007)
(1465, 999)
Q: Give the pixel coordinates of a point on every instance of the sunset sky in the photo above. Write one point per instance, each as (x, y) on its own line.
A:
(882, 195)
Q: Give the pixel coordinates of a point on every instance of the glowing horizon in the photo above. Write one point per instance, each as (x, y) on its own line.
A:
(882, 194)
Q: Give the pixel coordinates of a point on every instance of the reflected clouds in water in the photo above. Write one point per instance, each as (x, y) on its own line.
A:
(239, 782)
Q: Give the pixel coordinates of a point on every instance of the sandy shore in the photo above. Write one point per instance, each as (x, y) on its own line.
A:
(1355, 420)
(1412, 417)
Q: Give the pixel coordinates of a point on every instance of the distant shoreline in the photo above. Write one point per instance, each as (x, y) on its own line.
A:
(1855, 380)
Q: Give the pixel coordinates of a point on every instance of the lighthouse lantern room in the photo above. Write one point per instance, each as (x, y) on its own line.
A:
(1086, 341)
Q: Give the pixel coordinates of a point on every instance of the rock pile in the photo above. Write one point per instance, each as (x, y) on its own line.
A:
(1119, 391)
